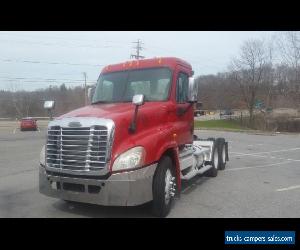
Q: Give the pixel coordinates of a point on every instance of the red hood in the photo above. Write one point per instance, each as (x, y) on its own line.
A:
(118, 111)
(110, 111)
(151, 115)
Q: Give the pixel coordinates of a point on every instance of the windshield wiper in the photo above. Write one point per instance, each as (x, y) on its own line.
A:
(100, 102)
(124, 101)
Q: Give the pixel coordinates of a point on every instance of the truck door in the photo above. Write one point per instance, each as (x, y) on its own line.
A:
(184, 110)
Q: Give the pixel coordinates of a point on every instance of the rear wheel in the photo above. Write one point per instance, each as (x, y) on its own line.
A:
(163, 187)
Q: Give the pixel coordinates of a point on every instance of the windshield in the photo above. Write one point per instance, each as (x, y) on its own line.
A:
(153, 83)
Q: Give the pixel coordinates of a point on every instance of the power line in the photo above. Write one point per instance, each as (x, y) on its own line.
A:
(138, 48)
(67, 44)
(42, 36)
(39, 84)
(42, 79)
(54, 82)
(56, 63)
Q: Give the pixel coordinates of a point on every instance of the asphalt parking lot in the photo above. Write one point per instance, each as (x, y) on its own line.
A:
(262, 179)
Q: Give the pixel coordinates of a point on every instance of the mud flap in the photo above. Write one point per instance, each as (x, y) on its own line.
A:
(226, 149)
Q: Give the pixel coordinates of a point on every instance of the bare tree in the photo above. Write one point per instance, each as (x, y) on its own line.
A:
(218, 92)
(250, 70)
(289, 46)
(15, 101)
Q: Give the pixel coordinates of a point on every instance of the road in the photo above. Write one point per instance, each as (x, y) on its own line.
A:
(262, 179)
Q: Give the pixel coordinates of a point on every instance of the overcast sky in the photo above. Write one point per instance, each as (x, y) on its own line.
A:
(36, 59)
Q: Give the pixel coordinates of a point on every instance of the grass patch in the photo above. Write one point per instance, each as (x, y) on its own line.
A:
(219, 124)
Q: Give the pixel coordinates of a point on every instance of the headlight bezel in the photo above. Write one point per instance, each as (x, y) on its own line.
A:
(125, 162)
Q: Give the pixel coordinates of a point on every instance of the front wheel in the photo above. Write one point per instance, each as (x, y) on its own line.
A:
(163, 187)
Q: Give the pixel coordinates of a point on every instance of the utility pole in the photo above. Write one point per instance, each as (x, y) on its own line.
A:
(138, 48)
(85, 95)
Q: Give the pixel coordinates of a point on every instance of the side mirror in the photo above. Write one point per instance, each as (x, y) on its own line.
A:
(49, 105)
(91, 92)
(138, 100)
(193, 90)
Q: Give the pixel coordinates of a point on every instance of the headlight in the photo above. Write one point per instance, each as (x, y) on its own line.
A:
(133, 158)
(42, 156)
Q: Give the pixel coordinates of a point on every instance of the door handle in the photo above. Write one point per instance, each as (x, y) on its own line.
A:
(180, 111)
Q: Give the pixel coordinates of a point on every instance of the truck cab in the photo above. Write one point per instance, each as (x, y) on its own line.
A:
(134, 143)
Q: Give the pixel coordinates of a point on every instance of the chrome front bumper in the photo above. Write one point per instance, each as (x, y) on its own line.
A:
(120, 189)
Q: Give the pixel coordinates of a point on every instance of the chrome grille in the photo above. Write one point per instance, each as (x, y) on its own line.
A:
(77, 149)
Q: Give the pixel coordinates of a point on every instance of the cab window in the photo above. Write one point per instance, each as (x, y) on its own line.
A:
(182, 88)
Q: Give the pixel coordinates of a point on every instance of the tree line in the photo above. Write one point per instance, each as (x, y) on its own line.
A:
(18, 104)
(264, 71)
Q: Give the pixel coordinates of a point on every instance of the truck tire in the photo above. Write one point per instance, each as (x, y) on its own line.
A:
(163, 183)
(213, 172)
(222, 153)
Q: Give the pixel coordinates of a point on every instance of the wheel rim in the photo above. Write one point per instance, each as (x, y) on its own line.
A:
(223, 154)
(216, 159)
(169, 186)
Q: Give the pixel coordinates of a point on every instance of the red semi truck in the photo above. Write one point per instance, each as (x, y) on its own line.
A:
(134, 143)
